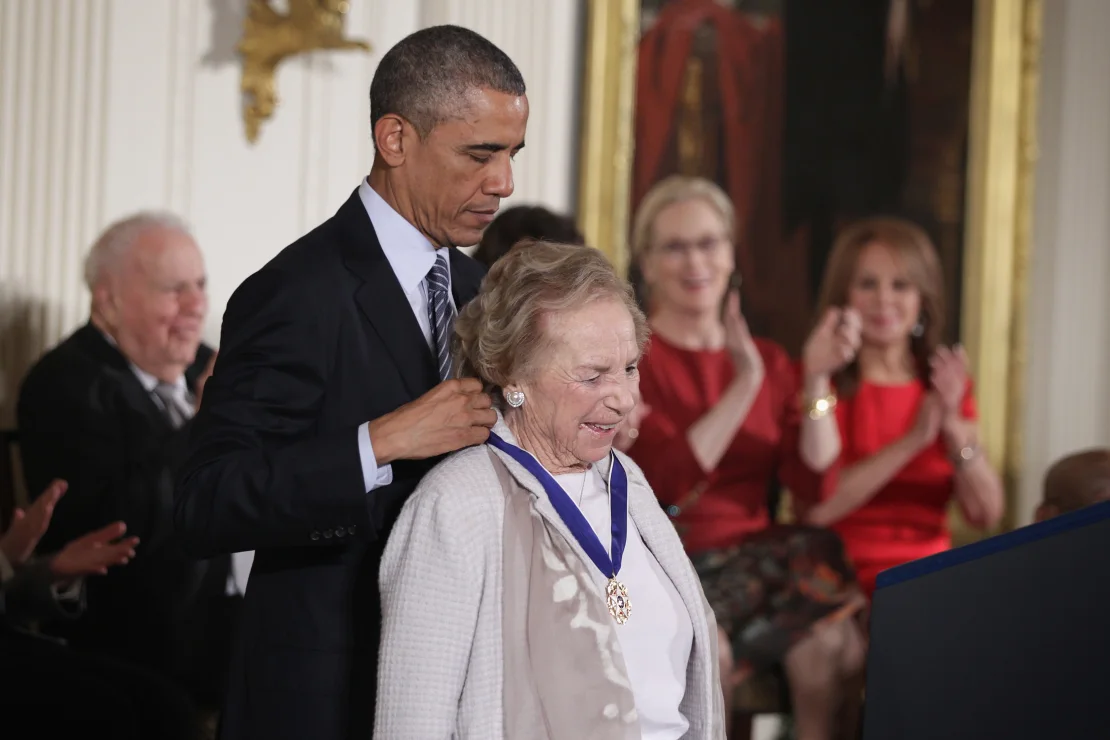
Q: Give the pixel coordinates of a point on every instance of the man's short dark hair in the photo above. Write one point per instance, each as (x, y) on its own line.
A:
(1078, 480)
(524, 222)
(426, 76)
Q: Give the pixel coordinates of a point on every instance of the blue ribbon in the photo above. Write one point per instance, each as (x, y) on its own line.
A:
(607, 563)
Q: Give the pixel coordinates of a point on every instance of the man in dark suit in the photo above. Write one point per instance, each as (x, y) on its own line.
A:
(331, 396)
(108, 411)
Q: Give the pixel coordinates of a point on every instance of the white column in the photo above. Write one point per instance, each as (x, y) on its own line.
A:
(54, 82)
(1069, 333)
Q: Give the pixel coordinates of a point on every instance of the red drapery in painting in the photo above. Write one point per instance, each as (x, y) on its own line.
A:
(750, 85)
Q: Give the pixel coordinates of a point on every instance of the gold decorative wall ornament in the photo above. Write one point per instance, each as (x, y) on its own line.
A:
(270, 37)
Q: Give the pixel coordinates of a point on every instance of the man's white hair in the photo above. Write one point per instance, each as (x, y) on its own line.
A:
(116, 240)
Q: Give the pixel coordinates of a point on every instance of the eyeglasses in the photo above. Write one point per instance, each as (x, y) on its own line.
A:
(708, 246)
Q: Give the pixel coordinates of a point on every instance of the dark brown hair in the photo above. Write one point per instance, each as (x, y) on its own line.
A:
(424, 77)
(915, 252)
(524, 222)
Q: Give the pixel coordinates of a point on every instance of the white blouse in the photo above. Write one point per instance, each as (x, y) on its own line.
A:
(657, 638)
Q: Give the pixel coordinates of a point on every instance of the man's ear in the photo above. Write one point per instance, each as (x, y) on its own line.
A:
(104, 299)
(391, 134)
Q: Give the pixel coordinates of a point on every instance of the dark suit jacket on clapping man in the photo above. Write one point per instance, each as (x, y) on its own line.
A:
(91, 415)
(328, 401)
(85, 417)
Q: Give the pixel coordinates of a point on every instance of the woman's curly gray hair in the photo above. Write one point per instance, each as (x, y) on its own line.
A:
(500, 333)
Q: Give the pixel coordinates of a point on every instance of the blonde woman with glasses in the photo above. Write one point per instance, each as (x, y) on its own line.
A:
(729, 415)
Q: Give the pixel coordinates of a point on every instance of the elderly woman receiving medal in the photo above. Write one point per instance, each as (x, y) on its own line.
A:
(533, 588)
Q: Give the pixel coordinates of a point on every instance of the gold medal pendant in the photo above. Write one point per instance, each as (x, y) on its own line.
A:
(616, 596)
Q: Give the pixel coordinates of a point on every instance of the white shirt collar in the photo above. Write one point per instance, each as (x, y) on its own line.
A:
(409, 252)
(148, 381)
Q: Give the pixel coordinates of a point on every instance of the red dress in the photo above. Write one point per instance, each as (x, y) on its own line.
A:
(719, 509)
(908, 518)
(769, 586)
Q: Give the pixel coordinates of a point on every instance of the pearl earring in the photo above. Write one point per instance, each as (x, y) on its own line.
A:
(514, 398)
(918, 329)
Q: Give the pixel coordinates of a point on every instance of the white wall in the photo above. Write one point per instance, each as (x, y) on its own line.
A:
(1068, 383)
(109, 106)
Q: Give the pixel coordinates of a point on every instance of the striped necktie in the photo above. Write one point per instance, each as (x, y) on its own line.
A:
(441, 312)
(171, 405)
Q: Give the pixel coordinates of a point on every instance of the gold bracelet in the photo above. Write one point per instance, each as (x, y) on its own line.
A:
(819, 408)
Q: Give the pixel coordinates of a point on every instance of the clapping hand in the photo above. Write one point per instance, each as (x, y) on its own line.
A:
(948, 376)
(94, 553)
(630, 429)
(833, 343)
(91, 554)
(930, 418)
(738, 339)
(28, 527)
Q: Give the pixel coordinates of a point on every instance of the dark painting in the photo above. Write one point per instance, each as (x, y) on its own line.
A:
(809, 113)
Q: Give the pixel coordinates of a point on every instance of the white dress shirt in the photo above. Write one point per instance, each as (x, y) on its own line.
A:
(658, 636)
(411, 256)
(240, 561)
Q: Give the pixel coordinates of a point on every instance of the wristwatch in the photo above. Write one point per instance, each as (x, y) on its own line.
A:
(964, 456)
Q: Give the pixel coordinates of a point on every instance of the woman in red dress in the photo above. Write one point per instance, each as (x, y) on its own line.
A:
(906, 412)
(726, 416)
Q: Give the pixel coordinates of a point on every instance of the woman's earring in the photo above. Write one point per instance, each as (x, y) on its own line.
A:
(514, 398)
(918, 329)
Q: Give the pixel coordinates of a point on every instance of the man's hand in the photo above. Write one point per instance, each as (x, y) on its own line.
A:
(93, 553)
(28, 527)
(453, 415)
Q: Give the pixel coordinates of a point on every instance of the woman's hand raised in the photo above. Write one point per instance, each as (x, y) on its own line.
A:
(833, 343)
(738, 340)
(948, 376)
(629, 430)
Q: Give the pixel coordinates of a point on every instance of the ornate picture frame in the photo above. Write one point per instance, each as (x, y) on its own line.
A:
(999, 189)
